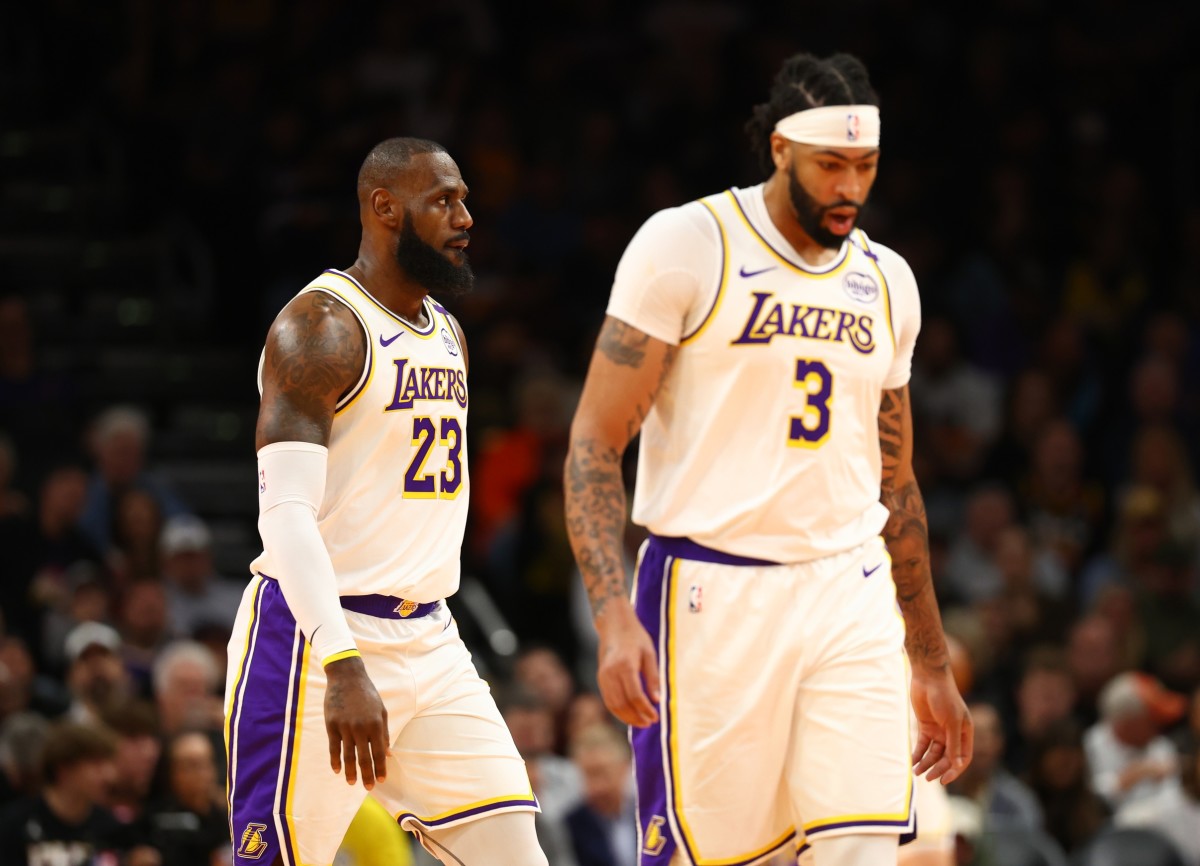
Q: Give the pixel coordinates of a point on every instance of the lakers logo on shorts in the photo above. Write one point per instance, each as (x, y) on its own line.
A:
(253, 845)
(654, 840)
(406, 608)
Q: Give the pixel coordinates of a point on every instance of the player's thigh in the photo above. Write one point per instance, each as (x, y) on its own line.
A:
(849, 765)
(454, 761)
(851, 850)
(505, 839)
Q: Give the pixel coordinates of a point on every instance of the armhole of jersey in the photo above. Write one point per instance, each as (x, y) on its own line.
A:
(368, 363)
(887, 292)
(716, 302)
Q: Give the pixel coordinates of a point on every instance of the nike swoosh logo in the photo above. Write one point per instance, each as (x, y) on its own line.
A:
(388, 342)
(867, 574)
(746, 273)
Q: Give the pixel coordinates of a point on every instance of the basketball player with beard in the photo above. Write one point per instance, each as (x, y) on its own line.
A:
(761, 344)
(344, 660)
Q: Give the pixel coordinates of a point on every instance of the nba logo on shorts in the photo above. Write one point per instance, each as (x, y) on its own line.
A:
(851, 127)
(694, 598)
(252, 846)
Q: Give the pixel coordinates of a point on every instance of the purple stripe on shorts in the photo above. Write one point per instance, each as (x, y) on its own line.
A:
(257, 729)
(518, 802)
(650, 764)
(685, 548)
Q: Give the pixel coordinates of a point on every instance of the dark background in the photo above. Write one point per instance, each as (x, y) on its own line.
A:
(173, 172)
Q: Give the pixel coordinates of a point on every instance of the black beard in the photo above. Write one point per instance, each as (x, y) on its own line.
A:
(809, 214)
(429, 268)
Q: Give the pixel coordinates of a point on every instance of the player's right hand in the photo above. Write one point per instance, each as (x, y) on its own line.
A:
(628, 665)
(356, 722)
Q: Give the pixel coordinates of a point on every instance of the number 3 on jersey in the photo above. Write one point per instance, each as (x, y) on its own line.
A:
(419, 484)
(810, 428)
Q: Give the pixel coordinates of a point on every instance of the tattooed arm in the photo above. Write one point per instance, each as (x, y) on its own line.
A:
(314, 355)
(945, 736)
(627, 370)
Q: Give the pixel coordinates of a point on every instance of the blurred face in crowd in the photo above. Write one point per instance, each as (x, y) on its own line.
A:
(193, 774)
(532, 729)
(188, 569)
(1092, 654)
(90, 779)
(98, 676)
(144, 614)
(605, 769)
(544, 672)
(1043, 697)
(1061, 767)
(62, 500)
(1136, 730)
(136, 761)
(120, 455)
(989, 740)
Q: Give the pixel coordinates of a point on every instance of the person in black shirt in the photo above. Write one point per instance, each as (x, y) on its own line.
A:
(64, 824)
(191, 822)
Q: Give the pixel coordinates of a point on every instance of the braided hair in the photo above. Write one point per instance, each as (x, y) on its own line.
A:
(806, 81)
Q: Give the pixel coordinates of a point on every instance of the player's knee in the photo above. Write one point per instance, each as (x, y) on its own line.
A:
(859, 850)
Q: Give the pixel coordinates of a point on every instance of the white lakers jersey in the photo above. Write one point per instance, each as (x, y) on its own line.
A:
(764, 441)
(396, 492)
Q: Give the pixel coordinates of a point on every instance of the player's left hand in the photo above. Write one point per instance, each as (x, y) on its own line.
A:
(945, 732)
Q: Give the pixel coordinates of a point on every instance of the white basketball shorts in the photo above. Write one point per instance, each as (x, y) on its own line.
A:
(785, 707)
(453, 759)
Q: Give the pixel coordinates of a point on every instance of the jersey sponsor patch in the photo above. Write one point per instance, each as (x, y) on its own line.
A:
(451, 346)
(861, 287)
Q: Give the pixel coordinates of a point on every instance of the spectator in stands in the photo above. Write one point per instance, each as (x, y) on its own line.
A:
(971, 573)
(1060, 777)
(22, 737)
(142, 622)
(558, 785)
(1008, 805)
(186, 682)
(40, 550)
(66, 822)
(1045, 696)
(542, 670)
(1174, 810)
(138, 750)
(197, 596)
(1160, 461)
(1129, 758)
(23, 687)
(1094, 658)
(1140, 531)
(119, 440)
(604, 826)
(189, 824)
(96, 675)
(137, 526)
(13, 503)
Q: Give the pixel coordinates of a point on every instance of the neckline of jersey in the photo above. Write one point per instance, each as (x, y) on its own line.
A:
(794, 260)
(426, 304)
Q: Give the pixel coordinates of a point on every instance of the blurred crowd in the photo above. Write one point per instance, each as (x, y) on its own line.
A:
(1046, 204)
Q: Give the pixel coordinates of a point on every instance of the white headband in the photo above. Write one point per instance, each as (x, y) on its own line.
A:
(833, 126)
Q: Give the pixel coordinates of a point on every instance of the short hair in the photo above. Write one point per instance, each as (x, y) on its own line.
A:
(387, 159)
(69, 744)
(807, 81)
(182, 651)
(117, 418)
(131, 719)
(601, 735)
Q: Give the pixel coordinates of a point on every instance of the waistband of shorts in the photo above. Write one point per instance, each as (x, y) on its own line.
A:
(684, 548)
(382, 606)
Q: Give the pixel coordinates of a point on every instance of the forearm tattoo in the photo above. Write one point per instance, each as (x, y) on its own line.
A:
(907, 535)
(594, 486)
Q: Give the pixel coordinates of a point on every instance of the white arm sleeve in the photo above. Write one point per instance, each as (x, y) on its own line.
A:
(669, 274)
(291, 486)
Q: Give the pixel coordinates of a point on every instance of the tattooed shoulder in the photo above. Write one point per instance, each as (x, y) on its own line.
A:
(621, 343)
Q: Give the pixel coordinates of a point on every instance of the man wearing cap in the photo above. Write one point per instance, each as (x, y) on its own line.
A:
(96, 673)
(197, 595)
(1129, 757)
(761, 344)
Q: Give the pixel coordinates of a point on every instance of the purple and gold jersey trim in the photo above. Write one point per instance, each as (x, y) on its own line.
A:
(656, 747)
(526, 802)
(424, 333)
(722, 282)
(263, 732)
(807, 270)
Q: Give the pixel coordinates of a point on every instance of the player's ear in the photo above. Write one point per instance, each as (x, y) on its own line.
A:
(385, 207)
(781, 152)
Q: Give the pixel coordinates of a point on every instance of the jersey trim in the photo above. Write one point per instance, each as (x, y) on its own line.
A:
(425, 303)
(807, 270)
(887, 291)
(722, 282)
(364, 378)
